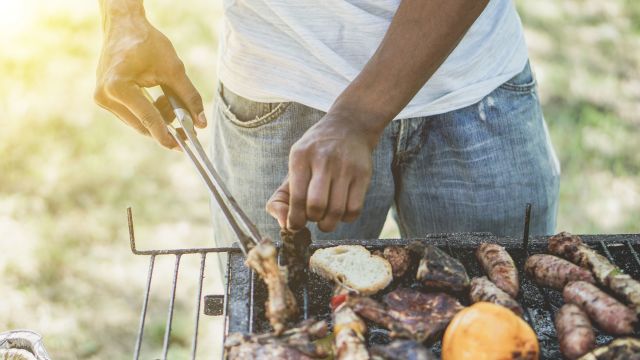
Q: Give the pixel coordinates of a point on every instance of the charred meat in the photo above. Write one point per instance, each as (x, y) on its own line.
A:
(611, 315)
(482, 289)
(399, 257)
(439, 270)
(572, 248)
(499, 266)
(403, 350)
(619, 349)
(409, 313)
(293, 344)
(294, 254)
(554, 272)
(281, 305)
(574, 331)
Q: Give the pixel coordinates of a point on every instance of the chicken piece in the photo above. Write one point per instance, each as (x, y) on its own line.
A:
(484, 290)
(499, 266)
(611, 315)
(554, 272)
(403, 350)
(409, 313)
(619, 349)
(399, 257)
(439, 270)
(281, 305)
(348, 328)
(575, 334)
(573, 249)
(293, 344)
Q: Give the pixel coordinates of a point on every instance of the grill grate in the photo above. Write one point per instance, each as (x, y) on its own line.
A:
(244, 298)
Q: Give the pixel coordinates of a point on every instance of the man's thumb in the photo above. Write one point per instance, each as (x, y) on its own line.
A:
(278, 204)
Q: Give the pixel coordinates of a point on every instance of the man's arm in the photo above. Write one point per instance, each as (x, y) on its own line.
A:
(136, 55)
(330, 166)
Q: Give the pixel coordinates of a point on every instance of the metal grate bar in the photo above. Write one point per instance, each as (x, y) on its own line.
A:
(252, 291)
(634, 253)
(167, 330)
(606, 251)
(143, 314)
(194, 346)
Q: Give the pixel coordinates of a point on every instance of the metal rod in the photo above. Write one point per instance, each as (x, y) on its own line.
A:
(305, 300)
(251, 302)
(633, 252)
(527, 220)
(143, 314)
(194, 346)
(606, 251)
(167, 329)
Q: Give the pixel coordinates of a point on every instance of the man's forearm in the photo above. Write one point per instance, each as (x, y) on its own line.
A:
(421, 36)
(120, 8)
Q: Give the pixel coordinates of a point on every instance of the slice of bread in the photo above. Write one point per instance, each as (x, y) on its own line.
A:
(354, 266)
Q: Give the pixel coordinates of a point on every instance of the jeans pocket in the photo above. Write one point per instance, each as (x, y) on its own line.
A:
(524, 81)
(247, 113)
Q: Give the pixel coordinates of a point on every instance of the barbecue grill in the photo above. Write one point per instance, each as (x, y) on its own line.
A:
(243, 303)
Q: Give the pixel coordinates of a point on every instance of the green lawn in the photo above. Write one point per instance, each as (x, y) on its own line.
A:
(68, 169)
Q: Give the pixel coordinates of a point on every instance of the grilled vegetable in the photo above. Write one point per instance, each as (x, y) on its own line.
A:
(485, 331)
(403, 350)
(611, 315)
(572, 248)
(554, 272)
(619, 349)
(575, 334)
(484, 290)
(499, 266)
(409, 313)
(439, 270)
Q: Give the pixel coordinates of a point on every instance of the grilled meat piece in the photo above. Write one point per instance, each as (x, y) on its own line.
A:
(294, 254)
(281, 305)
(554, 272)
(499, 266)
(574, 331)
(439, 270)
(399, 257)
(611, 315)
(619, 349)
(572, 248)
(482, 289)
(409, 313)
(403, 350)
(293, 344)
(348, 329)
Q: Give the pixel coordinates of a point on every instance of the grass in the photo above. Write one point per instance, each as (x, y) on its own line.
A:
(68, 169)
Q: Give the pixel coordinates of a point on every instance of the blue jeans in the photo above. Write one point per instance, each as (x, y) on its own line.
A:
(472, 169)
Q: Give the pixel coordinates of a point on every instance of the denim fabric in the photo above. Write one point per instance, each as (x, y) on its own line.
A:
(472, 169)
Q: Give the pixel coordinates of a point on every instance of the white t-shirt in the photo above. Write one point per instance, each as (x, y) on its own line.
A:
(308, 51)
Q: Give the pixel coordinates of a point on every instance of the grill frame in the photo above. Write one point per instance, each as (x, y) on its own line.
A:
(246, 316)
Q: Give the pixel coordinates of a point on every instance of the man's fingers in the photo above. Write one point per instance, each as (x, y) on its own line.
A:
(355, 201)
(122, 113)
(337, 204)
(298, 185)
(183, 88)
(318, 195)
(278, 204)
(165, 108)
(132, 97)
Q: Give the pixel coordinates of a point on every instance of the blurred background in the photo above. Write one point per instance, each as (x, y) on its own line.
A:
(68, 169)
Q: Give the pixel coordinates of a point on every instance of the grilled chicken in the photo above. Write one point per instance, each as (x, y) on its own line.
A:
(409, 313)
(573, 249)
(484, 290)
(611, 315)
(554, 272)
(402, 350)
(293, 344)
(281, 305)
(499, 266)
(619, 349)
(575, 334)
(399, 257)
(348, 329)
(439, 270)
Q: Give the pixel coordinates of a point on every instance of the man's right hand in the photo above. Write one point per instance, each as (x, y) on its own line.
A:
(136, 55)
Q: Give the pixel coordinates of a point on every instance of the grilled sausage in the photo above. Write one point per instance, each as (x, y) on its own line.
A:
(484, 290)
(574, 331)
(611, 315)
(499, 265)
(554, 272)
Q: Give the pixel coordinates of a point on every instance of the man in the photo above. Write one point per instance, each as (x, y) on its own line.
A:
(332, 112)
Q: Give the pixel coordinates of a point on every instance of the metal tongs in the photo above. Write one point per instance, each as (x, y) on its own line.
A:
(246, 231)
